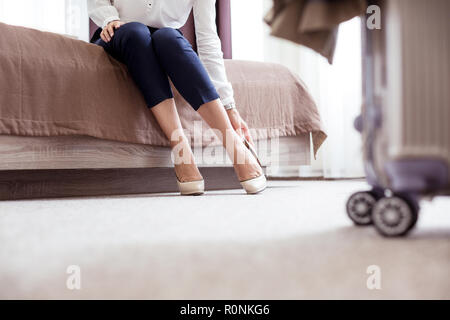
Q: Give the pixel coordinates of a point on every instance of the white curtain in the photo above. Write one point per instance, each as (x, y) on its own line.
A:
(336, 88)
(68, 17)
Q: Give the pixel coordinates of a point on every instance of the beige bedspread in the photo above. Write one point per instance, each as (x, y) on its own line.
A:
(54, 85)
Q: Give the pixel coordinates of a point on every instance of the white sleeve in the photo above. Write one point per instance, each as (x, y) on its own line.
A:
(210, 49)
(102, 12)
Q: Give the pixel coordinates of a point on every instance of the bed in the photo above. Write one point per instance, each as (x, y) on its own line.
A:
(63, 132)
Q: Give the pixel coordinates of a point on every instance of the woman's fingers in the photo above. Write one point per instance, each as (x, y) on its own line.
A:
(118, 24)
(110, 30)
(239, 125)
(239, 131)
(105, 35)
(102, 35)
(247, 134)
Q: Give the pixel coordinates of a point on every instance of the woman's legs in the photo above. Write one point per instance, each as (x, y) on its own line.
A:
(132, 44)
(245, 164)
(167, 116)
(150, 58)
(189, 76)
(184, 67)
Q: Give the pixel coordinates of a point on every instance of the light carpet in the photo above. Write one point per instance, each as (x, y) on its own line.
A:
(294, 241)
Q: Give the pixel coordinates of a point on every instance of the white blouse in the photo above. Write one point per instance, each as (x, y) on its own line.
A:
(173, 14)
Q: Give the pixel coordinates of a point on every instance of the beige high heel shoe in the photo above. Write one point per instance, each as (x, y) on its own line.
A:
(191, 188)
(254, 185)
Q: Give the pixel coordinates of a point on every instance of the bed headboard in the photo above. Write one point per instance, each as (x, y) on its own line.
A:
(223, 22)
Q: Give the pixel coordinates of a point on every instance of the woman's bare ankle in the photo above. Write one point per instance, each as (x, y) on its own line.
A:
(184, 163)
(248, 171)
(245, 163)
(188, 173)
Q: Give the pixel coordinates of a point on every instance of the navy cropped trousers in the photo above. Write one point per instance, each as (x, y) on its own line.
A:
(154, 55)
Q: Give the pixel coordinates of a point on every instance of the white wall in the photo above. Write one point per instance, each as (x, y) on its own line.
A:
(60, 16)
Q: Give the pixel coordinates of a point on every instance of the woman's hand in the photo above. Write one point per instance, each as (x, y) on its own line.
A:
(108, 31)
(239, 125)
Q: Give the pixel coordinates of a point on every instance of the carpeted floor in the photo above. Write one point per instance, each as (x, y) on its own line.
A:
(292, 242)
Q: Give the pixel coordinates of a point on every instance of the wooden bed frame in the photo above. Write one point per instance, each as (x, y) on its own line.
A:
(67, 166)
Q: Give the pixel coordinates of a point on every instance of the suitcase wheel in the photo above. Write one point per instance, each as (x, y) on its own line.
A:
(359, 207)
(395, 216)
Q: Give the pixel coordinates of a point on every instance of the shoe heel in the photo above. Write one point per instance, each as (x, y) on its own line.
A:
(255, 185)
(191, 188)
